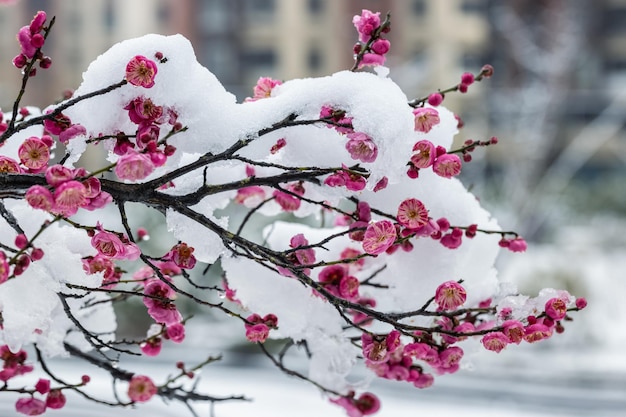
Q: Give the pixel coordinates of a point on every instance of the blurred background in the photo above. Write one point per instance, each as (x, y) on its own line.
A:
(557, 101)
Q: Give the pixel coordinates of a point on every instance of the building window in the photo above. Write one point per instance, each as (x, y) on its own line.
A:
(259, 8)
(614, 20)
(474, 6)
(259, 58)
(316, 6)
(258, 63)
(108, 16)
(220, 59)
(315, 60)
(215, 16)
(163, 13)
(615, 65)
(418, 7)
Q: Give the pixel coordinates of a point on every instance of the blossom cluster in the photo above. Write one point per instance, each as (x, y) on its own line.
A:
(31, 41)
(67, 190)
(258, 328)
(140, 157)
(14, 365)
(390, 358)
(372, 47)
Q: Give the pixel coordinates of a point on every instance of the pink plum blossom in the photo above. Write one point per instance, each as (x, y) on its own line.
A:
(425, 119)
(341, 123)
(42, 386)
(182, 255)
(141, 71)
(366, 24)
(9, 165)
(449, 360)
(34, 154)
(4, 267)
(289, 201)
(381, 46)
(514, 331)
(147, 133)
(111, 245)
(141, 388)
(257, 332)
(263, 88)
(349, 288)
(71, 132)
(58, 174)
(556, 308)
(25, 39)
(21, 241)
(40, 197)
(176, 332)
(68, 197)
(374, 351)
(299, 257)
(270, 321)
(467, 78)
(250, 196)
(229, 293)
(517, 245)
(379, 236)
(38, 21)
(447, 165)
(280, 143)
(332, 274)
(365, 405)
(30, 406)
(364, 211)
(13, 362)
(100, 263)
(371, 59)
(93, 187)
(134, 166)
(450, 295)
(152, 346)
(55, 399)
(423, 352)
(536, 332)
(424, 381)
(435, 99)
(452, 240)
(99, 201)
(381, 184)
(361, 147)
(56, 124)
(353, 181)
(161, 310)
(495, 341)
(425, 154)
(412, 213)
(143, 111)
(303, 256)
(393, 341)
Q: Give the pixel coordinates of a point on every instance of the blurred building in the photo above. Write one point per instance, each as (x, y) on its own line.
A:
(240, 40)
(82, 31)
(433, 42)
